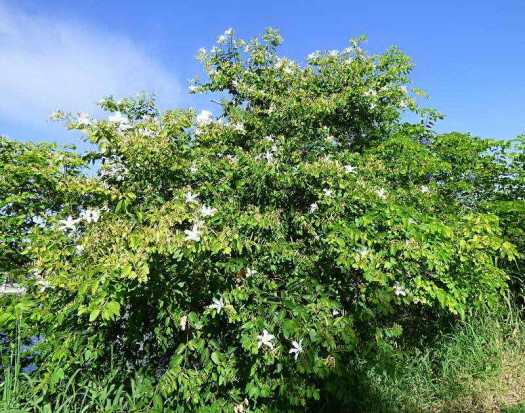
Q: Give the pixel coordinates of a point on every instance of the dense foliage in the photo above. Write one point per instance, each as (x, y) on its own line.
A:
(32, 184)
(245, 262)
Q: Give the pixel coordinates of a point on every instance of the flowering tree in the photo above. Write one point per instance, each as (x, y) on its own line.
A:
(245, 261)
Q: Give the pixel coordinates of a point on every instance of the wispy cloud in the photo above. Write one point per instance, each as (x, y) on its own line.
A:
(47, 64)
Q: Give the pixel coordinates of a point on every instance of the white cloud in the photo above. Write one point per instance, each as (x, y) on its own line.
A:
(47, 64)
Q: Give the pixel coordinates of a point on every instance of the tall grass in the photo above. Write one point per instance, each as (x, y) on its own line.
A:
(21, 392)
(479, 366)
(88, 396)
(11, 365)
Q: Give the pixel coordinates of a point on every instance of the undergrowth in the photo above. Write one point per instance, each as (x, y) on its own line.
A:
(476, 366)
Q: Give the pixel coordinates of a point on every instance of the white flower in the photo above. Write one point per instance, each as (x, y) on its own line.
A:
(222, 39)
(250, 272)
(424, 189)
(370, 92)
(373, 106)
(94, 215)
(268, 156)
(288, 70)
(198, 223)
(193, 168)
(349, 169)
(218, 305)
(330, 139)
(193, 234)
(193, 88)
(191, 198)
(363, 252)
(68, 223)
(381, 193)
(398, 290)
(79, 249)
(266, 339)
(183, 320)
(204, 118)
(314, 207)
(404, 89)
(44, 285)
(269, 138)
(208, 211)
(119, 118)
(83, 119)
(90, 215)
(297, 348)
(238, 127)
(327, 192)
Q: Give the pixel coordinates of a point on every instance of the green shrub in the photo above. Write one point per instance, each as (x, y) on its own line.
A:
(246, 261)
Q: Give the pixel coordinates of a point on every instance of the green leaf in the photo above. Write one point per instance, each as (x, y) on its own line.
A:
(94, 314)
(114, 307)
(126, 270)
(215, 357)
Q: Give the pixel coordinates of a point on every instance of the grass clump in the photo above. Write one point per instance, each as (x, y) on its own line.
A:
(477, 366)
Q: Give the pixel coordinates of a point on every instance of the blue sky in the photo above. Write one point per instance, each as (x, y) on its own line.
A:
(470, 55)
